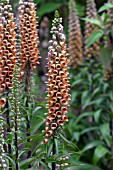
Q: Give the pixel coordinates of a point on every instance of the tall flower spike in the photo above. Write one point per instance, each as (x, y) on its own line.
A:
(2, 151)
(28, 36)
(91, 12)
(75, 36)
(7, 48)
(57, 80)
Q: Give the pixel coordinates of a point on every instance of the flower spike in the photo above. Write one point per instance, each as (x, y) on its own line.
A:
(57, 80)
(7, 48)
(28, 36)
(91, 12)
(75, 36)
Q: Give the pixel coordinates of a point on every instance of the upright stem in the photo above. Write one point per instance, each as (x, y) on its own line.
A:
(8, 130)
(16, 139)
(54, 152)
(111, 135)
(111, 132)
(92, 85)
(27, 116)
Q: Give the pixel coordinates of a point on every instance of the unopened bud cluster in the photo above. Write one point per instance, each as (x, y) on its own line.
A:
(7, 48)
(91, 12)
(63, 164)
(75, 36)
(2, 151)
(28, 36)
(57, 80)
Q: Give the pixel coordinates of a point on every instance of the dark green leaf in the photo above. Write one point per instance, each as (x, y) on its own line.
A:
(95, 36)
(105, 130)
(93, 21)
(89, 129)
(97, 115)
(105, 7)
(100, 152)
(47, 8)
(56, 145)
(91, 145)
(26, 161)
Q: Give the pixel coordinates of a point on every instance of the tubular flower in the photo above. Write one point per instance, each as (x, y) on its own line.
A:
(28, 36)
(7, 48)
(91, 12)
(57, 80)
(75, 36)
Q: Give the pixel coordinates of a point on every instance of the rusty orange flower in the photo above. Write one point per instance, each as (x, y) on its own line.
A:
(7, 48)
(58, 86)
(28, 36)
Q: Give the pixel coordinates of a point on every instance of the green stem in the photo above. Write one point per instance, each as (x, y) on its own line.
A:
(16, 138)
(111, 135)
(53, 153)
(27, 116)
(8, 131)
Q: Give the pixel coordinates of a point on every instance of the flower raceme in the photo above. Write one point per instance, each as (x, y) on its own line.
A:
(57, 80)
(7, 48)
(75, 36)
(91, 12)
(28, 36)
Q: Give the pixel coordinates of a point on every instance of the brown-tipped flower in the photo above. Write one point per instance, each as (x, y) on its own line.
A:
(28, 35)
(2, 102)
(7, 47)
(75, 36)
(91, 12)
(45, 141)
(48, 133)
(57, 80)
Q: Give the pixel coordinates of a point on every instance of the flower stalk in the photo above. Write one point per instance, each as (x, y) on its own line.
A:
(7, 60)
(28, 53)
(16, 113)
(2, 151)
(58, 86)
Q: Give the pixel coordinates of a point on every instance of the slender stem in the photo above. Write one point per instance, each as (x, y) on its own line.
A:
(8, 130)
(27, 116)
(54, 152)
(28, 140)
(92, 66)
(111, 134)
(16, 138)
(16, 143)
